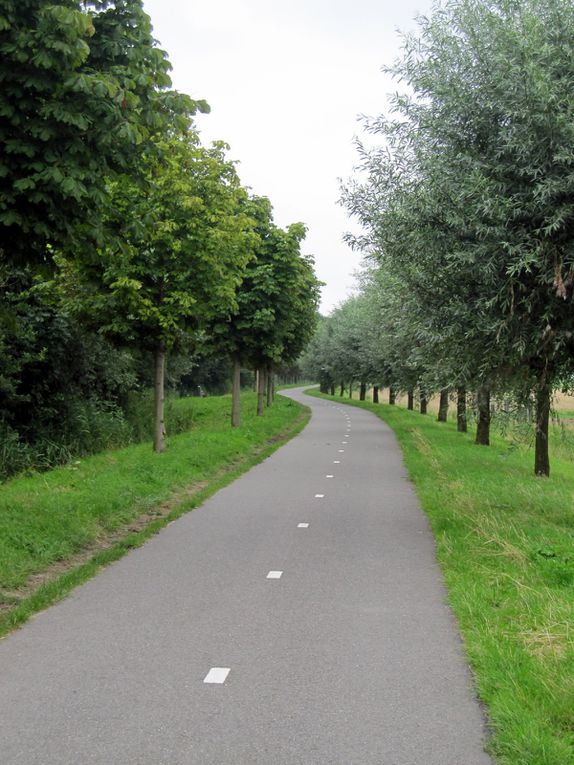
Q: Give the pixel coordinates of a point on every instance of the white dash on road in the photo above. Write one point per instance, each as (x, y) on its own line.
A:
(329, 475)
(344, 442)
(319, 496)
(217, 675)
(302, 525)
(336, 462)
(341, 450)
(274, 575)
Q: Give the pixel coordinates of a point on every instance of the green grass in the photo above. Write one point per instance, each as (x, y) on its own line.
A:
(505, 542)
(50, 517)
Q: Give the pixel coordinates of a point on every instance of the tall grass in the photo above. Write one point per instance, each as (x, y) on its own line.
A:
(90, 427)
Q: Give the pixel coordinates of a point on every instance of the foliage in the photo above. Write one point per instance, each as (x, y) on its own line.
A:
(82, 90)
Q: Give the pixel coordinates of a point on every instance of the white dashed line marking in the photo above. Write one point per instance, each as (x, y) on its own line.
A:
(217, 675)
(302, 525)
(341, 451)
(319, 496)
(274, 575)
(336, 462)
(329, 476)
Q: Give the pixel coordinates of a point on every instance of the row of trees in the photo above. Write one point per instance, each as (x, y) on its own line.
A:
(118, 224)
(467, 209)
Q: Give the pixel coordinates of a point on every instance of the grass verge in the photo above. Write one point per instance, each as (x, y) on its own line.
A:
(505, 543)
(58, 528)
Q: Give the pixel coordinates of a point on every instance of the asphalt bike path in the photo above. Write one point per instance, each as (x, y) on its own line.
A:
(297, 618)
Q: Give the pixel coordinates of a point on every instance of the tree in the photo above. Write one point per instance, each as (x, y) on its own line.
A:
(83, 89)
(471, 205)
(186, 243)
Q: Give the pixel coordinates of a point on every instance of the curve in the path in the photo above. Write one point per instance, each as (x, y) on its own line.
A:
(297, 618)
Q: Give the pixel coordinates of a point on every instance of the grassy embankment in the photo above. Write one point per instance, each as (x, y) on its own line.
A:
(505, 542)
(58, 528)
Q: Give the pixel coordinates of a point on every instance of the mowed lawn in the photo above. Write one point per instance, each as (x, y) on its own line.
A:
(47, 518)
(505, 542)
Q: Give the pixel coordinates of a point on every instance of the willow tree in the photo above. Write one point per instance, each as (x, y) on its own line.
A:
(487, 128)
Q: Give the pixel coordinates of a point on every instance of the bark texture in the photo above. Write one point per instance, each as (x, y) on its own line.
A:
(260, 391)
(332, 389)
(483, 425)
(159, 399)
(375, 394)
(541, 456)
(461, 423)
(270, 379)
(363, 391)
(342, 388)
(392, 396)
(423, 402)
(236, 394)
(443, 405)
(410, 399)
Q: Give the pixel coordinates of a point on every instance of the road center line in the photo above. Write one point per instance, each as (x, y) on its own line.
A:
(217, 675)
(319, 496)
(329, 475)
(274, 575)
(302, 525)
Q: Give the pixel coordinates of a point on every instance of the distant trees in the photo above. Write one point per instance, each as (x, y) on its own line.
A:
(467, 207)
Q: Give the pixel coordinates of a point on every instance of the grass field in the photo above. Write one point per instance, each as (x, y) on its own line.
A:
(57, 528)
(505, 542)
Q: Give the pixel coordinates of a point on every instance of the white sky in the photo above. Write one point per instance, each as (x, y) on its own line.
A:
(286, 82)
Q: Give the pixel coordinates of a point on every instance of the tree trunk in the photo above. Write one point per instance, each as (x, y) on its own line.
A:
(363, 391)
(351, 389)
(423, 402)
(260, 391)
(483, 425)
(269, 375)
(461, 424)
(443, 405)
(541, 456)
(342, 389)
(375, 394)
(332, 389)
(256, 388)
(392, 396)
(236, 394)
(410, 399)
(159, 399)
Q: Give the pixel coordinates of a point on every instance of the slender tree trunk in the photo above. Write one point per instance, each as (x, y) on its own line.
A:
(443, 405)
(375, 394)
(483, 425)
(332, 389)
(236, 394)
(410, 399)
(541, 456)
(351, 389)
(392, 396)
(256, 387)
(342, 389)
(423, 402)
(269, 375)
(260, 391)
(461, 424)
(363, 391)
(159, 399)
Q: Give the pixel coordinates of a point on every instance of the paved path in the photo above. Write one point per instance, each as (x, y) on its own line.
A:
(349, 658)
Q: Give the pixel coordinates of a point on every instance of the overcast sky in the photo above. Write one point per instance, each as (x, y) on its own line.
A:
(286, 82)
